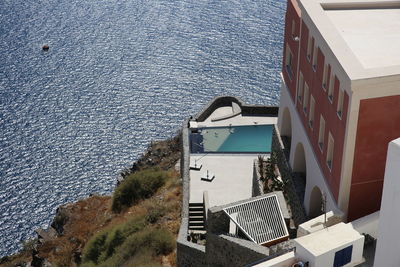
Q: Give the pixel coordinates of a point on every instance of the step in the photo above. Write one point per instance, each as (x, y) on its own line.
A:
(196, 227)
(196, 221)
(195, 214)
(196, 218)
(196, 209)
(196, 204)
(196, 224)
(202, 232)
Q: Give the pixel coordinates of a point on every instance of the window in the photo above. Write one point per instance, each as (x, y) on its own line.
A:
(314, 58)
(293, 28)
(305, 97)
(289, 61)
(310, 44)
(325, 77)
(340, 104)
(329, 155)
(343, 257)
(331, 85)
(321, 134)
(311, 114)
(300, 87)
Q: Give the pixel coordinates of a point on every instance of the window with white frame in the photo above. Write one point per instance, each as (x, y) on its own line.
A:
(305, 97)
(331, 86)
(340, 103)
(329, 155)
(321, 134)
(315, 56)
(310, 44)
(300, 87)
(311, 114)
(325, 77)
(289, 61)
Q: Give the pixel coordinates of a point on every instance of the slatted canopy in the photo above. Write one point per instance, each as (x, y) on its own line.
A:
(261, 220)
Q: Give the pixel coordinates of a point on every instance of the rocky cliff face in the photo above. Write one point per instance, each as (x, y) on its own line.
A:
(74, 223)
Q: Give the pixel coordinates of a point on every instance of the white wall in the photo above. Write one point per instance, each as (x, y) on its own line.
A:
(319, 248)
(305, 256)
(367, 224)
(327, 259)
(284, 260)
(317, 223)
(387, 247)
(314, 173)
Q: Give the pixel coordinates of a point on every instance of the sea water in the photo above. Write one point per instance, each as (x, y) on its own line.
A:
(118, 74)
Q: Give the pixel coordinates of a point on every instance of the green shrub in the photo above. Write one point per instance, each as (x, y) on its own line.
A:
(143, 258)
(141, 247)
(113, 240)
(133, 225)
(161, 241)
(104, 244)
(139, 185)
(94, 247)
(155, 213)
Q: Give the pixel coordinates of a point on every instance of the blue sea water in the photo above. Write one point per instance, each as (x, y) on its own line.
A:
(118, 74)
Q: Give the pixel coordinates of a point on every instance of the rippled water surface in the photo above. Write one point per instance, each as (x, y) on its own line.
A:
(118, 75)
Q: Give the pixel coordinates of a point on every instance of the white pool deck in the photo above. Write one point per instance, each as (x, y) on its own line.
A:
(233, 172)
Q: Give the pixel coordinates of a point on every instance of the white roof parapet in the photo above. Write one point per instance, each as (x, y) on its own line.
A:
(261, 220)
(362, 35)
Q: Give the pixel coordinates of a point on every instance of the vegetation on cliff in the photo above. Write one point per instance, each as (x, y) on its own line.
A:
(137, 226)
(137, 186)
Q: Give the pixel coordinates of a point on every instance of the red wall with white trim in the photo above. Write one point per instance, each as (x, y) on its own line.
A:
(378, 124)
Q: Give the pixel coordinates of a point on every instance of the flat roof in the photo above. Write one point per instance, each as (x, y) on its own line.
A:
(363, 35)
(325, 240)
(372, 34)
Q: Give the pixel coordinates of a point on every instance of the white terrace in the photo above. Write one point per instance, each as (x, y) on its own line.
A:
(233, 172)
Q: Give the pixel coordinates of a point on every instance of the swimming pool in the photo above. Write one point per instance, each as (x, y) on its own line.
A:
(232, 139)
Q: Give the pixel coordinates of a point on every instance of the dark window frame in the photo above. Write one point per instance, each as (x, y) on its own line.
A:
(343, 256)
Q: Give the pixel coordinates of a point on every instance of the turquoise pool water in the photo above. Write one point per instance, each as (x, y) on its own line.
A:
(234, 139)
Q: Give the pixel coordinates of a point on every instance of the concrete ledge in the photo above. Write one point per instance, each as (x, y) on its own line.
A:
(188, 253)
(226, 117)
(343, 5)
(246, 110)
(367, 224)
(236, 110)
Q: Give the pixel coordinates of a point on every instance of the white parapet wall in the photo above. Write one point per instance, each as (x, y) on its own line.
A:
(387, 247)
(285, 260)
(318, 223)
(367, 224)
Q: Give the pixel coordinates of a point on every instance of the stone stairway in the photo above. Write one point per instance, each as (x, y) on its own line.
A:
(196, 217)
